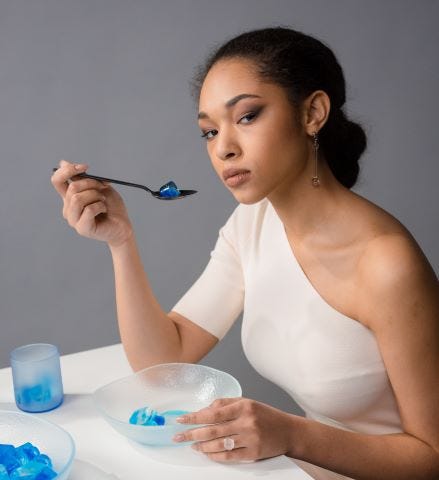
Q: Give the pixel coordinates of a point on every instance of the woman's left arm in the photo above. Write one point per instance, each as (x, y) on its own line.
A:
(400, 304)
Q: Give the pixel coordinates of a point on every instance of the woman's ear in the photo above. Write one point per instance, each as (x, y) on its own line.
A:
(315, 111)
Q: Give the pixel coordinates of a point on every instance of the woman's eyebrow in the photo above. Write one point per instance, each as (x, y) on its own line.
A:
(230, 103)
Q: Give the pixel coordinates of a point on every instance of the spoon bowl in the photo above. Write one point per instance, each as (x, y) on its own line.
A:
(155, 193)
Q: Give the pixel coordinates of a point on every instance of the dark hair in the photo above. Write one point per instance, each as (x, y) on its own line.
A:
(301, 64)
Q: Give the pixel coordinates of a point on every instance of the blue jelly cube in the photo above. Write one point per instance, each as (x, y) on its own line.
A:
(146, 416)
(169, 190)
(21, 457)
(25, 463)
(5, 449)
(3, 473)
(27, 472)
(29, 450)
(44, 459)
(143, 416)
(8, 457)
(159, 419)
(46, 474)
(33, 471)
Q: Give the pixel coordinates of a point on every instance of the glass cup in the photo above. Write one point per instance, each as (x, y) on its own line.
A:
(36, 374)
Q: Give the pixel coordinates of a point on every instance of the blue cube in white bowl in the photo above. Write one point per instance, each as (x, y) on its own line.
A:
(17, 428)
(170, 386)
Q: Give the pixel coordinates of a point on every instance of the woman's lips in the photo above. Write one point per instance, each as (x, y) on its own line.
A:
(235, 177)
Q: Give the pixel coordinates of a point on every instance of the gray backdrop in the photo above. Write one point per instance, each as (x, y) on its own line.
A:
(105, 82)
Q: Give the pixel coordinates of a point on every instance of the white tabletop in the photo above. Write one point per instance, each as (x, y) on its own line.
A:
(100, 449)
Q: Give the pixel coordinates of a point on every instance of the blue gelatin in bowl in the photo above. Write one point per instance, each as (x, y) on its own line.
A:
(29, 434)
(146, 416)
(169, 190)
(3, 473)
(33, 471)
(24, 462)
(28, 450)
(8, 458)
(168, 388)
(44, 459)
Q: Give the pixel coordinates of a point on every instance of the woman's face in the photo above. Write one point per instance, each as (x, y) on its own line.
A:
(256, 145)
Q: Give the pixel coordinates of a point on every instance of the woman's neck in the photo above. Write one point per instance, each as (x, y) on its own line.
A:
(308, 212)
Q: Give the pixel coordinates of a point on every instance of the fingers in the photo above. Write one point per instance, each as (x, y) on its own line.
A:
(203, 434)
(79, 193)
(217, 445)
(82, 184)
(221, 410)
(64, 173)
(77, 203)
(87, 223)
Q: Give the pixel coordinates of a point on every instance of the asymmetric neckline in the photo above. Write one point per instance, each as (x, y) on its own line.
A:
(295, 262)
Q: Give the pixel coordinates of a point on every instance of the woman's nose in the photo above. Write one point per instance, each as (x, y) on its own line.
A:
(226, 146)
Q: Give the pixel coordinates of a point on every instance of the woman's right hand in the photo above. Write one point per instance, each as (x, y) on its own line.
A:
(94, 209)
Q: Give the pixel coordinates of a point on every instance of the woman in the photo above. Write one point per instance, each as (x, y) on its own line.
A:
(341, 307)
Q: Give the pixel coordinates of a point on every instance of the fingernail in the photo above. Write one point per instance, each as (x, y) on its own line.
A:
(181, 419)
(178, 438)
(80, 166)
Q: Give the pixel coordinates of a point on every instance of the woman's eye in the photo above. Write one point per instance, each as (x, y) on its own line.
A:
(250, 116)
(208, 133)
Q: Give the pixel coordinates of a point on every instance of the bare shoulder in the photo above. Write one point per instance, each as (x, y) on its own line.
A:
(392, 270)
(398, 299)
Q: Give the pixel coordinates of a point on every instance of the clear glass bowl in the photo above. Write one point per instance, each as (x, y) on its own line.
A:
(17, 428)
(169, 386)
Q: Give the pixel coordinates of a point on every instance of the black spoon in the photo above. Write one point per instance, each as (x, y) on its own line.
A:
(168, 191)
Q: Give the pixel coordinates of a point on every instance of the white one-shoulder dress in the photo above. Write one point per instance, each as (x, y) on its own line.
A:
(329, 363)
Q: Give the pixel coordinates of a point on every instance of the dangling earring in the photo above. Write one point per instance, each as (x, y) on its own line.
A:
(315, 179)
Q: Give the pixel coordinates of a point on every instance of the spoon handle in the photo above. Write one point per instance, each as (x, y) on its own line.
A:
(110, 180)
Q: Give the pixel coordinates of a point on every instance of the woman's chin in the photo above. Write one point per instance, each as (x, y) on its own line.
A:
(247, 198)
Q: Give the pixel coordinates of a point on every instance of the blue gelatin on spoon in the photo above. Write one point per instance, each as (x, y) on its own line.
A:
(169, 190)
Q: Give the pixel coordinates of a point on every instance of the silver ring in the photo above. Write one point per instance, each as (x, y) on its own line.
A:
(229, 443)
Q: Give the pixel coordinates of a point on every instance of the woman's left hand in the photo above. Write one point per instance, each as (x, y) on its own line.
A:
(258, 430)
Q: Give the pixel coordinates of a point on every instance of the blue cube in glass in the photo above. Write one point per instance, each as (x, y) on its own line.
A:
(36, 375)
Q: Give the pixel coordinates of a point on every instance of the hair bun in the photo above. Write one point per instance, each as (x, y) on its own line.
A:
(343, 142)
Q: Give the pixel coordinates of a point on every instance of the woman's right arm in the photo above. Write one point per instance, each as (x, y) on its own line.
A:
(149, 335)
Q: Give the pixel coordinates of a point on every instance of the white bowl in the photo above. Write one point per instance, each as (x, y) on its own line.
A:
(17, 428)
(169, 386)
